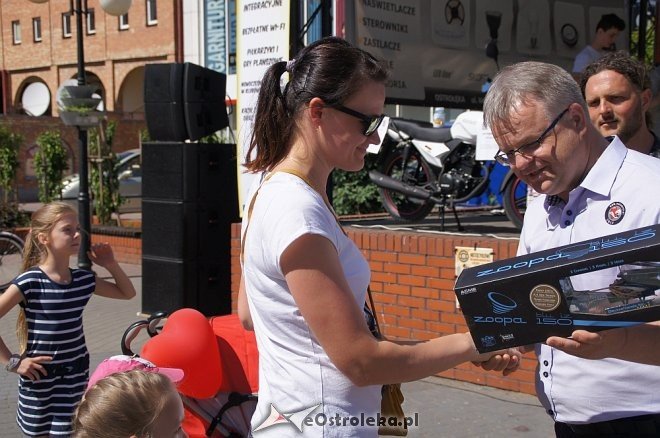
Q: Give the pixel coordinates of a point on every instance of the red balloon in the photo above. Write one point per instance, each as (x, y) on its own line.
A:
(187, 341)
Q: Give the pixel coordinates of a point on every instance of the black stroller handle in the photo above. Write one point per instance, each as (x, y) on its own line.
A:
(153, 327)
(130, 334)
(152, 324)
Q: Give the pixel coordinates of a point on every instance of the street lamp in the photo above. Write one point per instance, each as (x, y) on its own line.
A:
(112, 7)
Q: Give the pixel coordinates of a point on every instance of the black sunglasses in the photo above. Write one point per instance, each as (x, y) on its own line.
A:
(505, 158)
(371, 123)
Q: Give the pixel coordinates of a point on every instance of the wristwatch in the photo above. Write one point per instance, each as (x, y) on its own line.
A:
(14, 362)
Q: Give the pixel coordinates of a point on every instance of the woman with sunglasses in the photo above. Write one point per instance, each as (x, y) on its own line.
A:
(305, 281)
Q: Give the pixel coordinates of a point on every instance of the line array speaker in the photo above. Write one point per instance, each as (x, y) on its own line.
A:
(190, 200)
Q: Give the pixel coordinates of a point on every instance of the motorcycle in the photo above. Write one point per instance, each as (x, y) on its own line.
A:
(420, 166)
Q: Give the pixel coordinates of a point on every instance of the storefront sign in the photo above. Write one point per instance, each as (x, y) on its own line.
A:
(437, 49)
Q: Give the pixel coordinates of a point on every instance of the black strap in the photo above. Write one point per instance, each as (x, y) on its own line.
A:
(373, 311)
(641, 425)
(234, 399)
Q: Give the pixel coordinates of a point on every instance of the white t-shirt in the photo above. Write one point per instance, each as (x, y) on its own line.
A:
(575, 390)
(585, 57)
(295, 373)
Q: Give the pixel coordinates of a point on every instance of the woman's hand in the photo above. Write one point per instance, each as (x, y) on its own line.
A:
(32, 368)
(101, 254)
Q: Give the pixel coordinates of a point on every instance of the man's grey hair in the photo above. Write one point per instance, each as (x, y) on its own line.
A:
(529, 83)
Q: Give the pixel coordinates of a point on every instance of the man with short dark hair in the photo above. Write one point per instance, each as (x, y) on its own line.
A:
(607, 30)
(618, 92)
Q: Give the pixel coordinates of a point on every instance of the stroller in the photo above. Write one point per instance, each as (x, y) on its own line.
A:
(220, 362)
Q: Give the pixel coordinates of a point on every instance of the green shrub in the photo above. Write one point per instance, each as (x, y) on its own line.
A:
(354, 193)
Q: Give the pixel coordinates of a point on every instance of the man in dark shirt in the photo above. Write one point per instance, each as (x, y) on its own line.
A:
(617, 89)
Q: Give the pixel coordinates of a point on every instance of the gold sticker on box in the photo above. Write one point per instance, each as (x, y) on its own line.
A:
(545, 297)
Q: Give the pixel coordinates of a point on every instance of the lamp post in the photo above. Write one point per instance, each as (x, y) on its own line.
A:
(80, 9)
(83, 194)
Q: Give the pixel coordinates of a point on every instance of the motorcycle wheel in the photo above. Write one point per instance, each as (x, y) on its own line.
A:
(417, 173)
(515, 201)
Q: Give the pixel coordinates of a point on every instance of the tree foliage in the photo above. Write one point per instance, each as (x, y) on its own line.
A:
(50, 162)
(104, 179)
(9, 146)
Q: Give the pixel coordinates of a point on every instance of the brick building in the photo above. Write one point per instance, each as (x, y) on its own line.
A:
(38, 53)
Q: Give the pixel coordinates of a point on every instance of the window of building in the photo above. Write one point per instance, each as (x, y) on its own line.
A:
(123, 21)
(152, 13)
(66, 25)
(16, 31)
(36, 29)
(91, 21)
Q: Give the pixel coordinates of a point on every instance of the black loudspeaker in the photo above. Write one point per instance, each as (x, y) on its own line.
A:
(204, 96)
(163, 102)
(193, 284)
(184, 101)
(190, 200)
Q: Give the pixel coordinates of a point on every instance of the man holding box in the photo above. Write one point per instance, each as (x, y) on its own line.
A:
(591, 186)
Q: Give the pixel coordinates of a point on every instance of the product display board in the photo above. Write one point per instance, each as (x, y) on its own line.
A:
(443, 53)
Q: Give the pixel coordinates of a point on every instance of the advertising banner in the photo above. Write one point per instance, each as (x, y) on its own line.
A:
(437, 49)
(262, 39)
(215, 36)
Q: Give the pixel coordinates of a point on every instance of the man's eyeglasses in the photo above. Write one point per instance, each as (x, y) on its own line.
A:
(370, 123)
(506, 158)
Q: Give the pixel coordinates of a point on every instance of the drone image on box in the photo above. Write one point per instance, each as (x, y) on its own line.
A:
(634, 288)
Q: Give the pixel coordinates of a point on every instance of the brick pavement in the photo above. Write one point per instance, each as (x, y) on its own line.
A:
(446, 408)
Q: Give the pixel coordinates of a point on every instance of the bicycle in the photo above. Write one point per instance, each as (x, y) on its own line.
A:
(11, 258)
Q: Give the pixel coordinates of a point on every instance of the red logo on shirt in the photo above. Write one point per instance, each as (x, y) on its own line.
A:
(615, 213)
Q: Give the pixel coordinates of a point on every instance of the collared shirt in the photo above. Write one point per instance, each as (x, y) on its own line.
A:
(619, 193)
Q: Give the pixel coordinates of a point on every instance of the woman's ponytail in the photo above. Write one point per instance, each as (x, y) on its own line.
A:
(272, 122)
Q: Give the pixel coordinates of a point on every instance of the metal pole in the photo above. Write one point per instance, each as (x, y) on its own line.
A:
(641, 40)
(83, 194)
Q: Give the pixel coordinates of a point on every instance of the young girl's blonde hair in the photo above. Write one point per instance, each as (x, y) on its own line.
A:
(121, 405)
(43, 221)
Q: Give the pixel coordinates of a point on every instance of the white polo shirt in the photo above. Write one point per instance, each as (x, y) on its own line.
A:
(620, 192)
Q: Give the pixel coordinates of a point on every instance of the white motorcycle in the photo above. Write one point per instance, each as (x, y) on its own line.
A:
(421, 166)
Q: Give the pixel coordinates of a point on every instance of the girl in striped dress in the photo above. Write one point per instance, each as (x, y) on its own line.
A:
(53, 362)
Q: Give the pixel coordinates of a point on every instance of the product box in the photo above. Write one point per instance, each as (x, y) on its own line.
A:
(608, 282)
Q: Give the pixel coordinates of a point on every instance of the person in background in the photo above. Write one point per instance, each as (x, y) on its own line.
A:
(607, 30)
(53, 362)
(618, 92)
(129, 397)
(590, 187)
(305, 280)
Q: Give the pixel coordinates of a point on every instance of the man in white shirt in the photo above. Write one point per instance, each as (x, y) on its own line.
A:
(542, 126)
(607, 30)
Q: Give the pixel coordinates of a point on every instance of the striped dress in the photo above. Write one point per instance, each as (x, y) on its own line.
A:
(55, 328)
